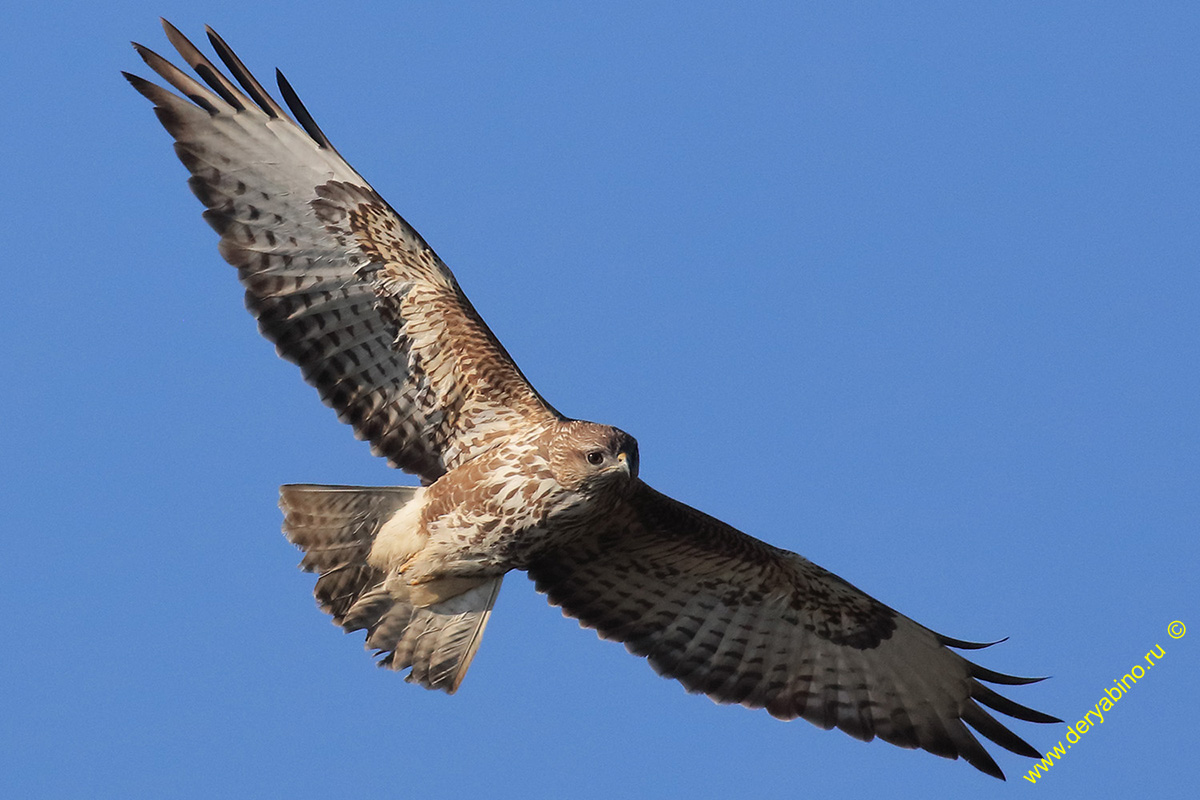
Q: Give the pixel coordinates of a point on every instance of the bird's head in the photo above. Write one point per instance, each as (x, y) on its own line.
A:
(588, 456)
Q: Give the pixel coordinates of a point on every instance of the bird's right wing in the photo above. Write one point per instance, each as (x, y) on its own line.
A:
(342, 285)
(741, 621)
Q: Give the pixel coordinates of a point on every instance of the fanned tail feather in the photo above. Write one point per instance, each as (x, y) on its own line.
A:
(336, 527)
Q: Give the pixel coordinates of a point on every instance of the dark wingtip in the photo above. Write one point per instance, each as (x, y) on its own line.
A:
(147, 89)
(142, 86)
(991, 676)
(998, 702)
(984, 762)
(168, 27)
(242, 74)
(301, 113)
(963, 644)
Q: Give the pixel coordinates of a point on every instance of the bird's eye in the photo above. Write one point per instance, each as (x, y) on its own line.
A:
(595, 458)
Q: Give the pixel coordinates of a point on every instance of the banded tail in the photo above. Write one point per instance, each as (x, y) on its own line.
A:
(336, 527)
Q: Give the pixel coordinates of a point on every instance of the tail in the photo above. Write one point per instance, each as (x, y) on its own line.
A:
(336, 526)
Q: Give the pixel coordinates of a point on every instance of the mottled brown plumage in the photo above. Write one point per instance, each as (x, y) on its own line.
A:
(347, 290)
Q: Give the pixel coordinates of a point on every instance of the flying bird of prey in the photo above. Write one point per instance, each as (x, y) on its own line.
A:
(348, 291)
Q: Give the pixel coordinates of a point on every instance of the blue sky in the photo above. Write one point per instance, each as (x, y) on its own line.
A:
(911, 289)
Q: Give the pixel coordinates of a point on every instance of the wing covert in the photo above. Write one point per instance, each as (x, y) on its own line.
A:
(342, 285)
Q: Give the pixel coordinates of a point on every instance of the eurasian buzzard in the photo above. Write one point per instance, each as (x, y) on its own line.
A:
(347, 290)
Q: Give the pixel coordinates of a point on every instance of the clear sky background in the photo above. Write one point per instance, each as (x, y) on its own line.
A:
(911, 289)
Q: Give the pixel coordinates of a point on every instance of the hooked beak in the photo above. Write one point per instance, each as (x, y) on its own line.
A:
(629, 462)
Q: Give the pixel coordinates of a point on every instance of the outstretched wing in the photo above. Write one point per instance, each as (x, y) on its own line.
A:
(342, 285)
(743, 622)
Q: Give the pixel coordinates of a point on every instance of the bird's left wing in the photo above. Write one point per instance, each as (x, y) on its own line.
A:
(741, 621)
(342, 285)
